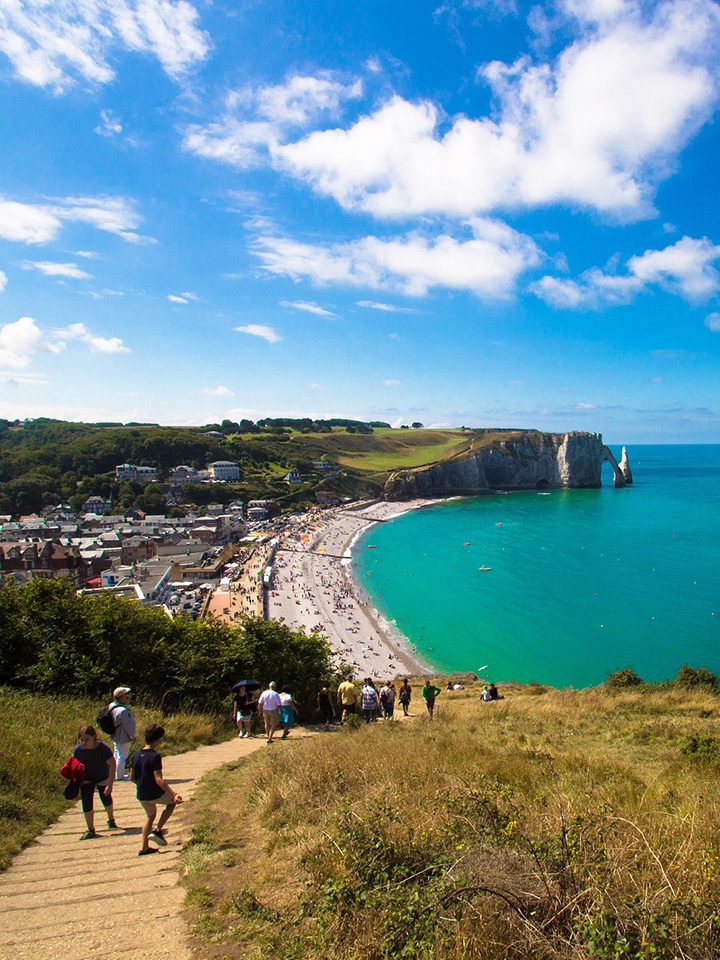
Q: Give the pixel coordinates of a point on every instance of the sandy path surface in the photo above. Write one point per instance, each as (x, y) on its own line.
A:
(62, 898)
(312, 587)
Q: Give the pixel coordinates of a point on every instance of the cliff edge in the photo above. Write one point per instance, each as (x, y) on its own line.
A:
(532, 461)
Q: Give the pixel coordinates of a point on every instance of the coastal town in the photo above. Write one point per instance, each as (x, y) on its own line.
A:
(227, 562)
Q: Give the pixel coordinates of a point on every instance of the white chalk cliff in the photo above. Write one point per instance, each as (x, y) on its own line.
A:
(534, 460)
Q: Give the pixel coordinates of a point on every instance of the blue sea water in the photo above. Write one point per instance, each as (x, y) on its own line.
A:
(582, 582)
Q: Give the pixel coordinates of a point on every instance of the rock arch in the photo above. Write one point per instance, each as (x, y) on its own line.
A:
(606, 456)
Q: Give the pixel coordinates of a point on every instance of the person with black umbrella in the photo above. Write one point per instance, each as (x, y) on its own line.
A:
(244, 706)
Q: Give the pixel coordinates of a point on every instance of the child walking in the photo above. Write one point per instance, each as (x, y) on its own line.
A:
(152, 789)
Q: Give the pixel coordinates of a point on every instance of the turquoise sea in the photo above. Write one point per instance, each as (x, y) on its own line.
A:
(582, 582)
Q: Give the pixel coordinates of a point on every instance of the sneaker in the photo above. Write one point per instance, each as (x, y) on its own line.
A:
(88, 835)
(124, 776)
(157, 837)
(112, 825)
(144, 853)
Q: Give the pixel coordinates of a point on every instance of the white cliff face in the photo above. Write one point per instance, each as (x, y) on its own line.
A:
(533, 461)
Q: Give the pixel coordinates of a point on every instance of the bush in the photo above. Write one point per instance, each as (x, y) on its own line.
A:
(54, 641)
(689, 677)
(624, 678)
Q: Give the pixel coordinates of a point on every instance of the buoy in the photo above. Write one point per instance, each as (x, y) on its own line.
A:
(372, 547)
(466, 544)
(498, 524)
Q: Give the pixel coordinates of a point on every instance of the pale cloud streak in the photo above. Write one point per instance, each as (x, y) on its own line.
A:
(260, 330)
(51, 269)
(55, 44)
(384, 307)
(309, 307)
(78, 331)
(488, 265)
(42, 223)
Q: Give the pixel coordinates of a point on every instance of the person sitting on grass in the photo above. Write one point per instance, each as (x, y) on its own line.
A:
(99, 773)
(152, 789)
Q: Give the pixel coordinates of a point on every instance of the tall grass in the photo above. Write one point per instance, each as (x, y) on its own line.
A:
(568, 825)
(37, 734)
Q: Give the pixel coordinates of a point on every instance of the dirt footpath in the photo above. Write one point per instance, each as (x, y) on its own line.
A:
(62, 898)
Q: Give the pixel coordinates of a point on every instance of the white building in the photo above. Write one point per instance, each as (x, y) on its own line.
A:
(184, 474)
(128, 471)
(224, 470)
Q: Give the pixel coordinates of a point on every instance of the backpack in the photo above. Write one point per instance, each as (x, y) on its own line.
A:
(106, 719)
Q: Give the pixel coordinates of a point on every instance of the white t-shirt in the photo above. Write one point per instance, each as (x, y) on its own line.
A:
(269, 700)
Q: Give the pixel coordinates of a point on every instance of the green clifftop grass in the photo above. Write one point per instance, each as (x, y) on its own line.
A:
(564, 824)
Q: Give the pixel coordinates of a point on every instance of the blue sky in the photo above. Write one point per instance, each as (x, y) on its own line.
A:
(460, 212)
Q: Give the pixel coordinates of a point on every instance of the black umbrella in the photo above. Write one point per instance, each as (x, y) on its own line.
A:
(248, 684)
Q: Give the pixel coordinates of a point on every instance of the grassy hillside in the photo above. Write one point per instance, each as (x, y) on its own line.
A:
(44, 462)
(551, 824)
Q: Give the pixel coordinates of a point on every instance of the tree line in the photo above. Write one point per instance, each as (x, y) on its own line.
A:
(53, 640)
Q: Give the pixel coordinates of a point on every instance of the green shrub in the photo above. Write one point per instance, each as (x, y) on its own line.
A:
(624, 678)
(690, 677)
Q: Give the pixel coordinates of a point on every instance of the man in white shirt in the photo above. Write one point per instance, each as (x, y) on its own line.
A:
(124, 730)
(268, 704)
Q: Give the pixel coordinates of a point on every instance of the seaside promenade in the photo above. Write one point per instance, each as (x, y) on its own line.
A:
(90, 900)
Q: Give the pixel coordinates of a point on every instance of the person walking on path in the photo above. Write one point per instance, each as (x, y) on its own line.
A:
(346, 698)
(325, 706)
(243, 709)
(288, 711)
(99, 763)
(405, 695)
(152, 789)
(369, 700)
(124, 730)
(387, 699)
(428, 693)
(269, 703)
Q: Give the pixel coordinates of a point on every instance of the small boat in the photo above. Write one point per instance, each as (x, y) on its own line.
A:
(484, 568)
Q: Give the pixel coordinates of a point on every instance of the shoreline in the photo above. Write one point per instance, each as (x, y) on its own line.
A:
(313, 587)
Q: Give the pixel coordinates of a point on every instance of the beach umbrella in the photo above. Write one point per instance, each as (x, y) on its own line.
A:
(249, 684)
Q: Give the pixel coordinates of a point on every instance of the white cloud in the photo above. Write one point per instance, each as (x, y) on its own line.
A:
(254, 121)
(712, 322)
(585, 406)
(25, 223)
(173, 299)
(597, 127)
(78, 331)
(309, 307)
(113, 214)
(110, 125)
(386, 307)
(87, 254)
(487, 265)
(684, 268)
(18, 342)
(217, 392)
(50, 269)
(392, 383)
(54, 44)
(35, 223)
(3, 281)
(260, 330)
(189, 296)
